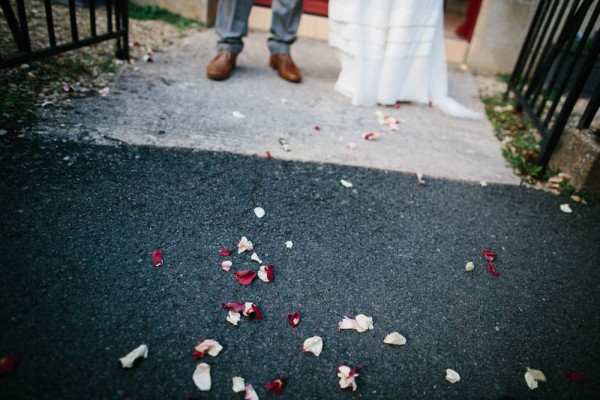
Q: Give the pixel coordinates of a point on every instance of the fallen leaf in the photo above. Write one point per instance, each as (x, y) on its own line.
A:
(371, 136)
(238, 384)
(346, 184)
(157, 258)
(362, 323)
(226, 265)
(294, 319)
(276, 385)
(576, 376)
(208, 346)
(566, 208)
(395, 338)
(266, 273)
(452, 376)
(202, 376)
(129, 360)
(251, 309)
(255, 257)
(289, 244)
(250, 393)
(245, 245)
(8, 365)
(469, 266)
(259, 211)
(313, 345)
(238, 114)
(225, 252)
(489, 256)
(348, 376)
(532, 376)
(244, 277)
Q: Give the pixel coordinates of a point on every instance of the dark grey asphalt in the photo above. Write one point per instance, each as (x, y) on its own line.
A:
(78, 290)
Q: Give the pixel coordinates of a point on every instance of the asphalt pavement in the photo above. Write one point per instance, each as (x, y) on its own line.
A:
(79, 223)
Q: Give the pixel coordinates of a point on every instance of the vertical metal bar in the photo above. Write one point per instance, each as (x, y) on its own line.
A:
(24, 28)
(73, 18)
(124, 50)
(590, 110)
(13, 24)
(50, 22)
(109, 22)
(117, 15)
(92, 7)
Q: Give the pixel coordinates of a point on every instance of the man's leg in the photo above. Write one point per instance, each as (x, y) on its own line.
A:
(231, 26)
(284, 27)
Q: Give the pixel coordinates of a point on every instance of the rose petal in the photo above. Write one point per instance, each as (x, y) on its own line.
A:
(483, 183)
(235, 307)
(532, 376)
(250, 310)
(276, 385)
(237, 114)
(129, 360)
(317, 128)
(289, 244)
(201, 376)
(233, 317)
(530, 380)
(104, 91)
(469, 266)
(212, 347)
(566, 208)
(238, 384)
(313, 345)
(362, 323)
(370, 136)
(346, 184)
(348, 376)
(255, 257)
(351, 145)
(452, 376)
(420, 180)
(294, 319)
(576, 376)
(259, 211)
(266, 273)
(269, 156)
(250, 393)
(8, 365)
(245, 245)
(244, 277)
(490, 267)
(157, 259)
(225, 252)
(489, 255)
(395, 338)
(226, 265)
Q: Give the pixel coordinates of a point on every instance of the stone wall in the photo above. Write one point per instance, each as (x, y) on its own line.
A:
(200, 10)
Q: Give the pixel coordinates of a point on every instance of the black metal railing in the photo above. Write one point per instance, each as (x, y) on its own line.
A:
(117, 23)
(557, 67)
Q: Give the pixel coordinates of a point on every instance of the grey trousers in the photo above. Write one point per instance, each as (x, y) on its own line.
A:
(232, 24)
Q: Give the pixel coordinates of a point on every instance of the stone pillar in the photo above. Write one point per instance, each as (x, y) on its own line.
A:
(499, 35)
(201, 10)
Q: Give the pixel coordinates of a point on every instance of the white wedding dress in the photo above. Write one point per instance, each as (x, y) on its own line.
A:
(392, 50)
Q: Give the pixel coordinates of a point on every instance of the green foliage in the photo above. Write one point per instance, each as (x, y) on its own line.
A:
(158, 13)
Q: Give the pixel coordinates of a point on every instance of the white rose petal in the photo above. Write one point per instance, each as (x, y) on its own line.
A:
(129, 359)
(233, 317)
(255, 257)
(212, 347)
(346, 184)
(259, 211)
(226, 265)
(289, 244)
(532, 376)
(364, 322)
(347, 377)
(566, 208)
(245, 245)
(313, 345)
(452, 376)
(395, 338)
(238, 384)
(238, 114)
(202, 376)
(469, 266)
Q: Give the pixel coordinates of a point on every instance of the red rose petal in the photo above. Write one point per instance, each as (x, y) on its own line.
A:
(8, 365)
(576, 376)
(270, 270)
(317, 128)
(254, 311)
(490, 267)
(235, 307)
(157, 258)
(198, 354)
(294, 319)
(269, 156)
(245, 277)
(276, 385)
(489, 255)
(225, 252)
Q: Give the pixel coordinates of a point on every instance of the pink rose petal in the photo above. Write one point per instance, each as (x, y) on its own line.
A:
(294, 319)
(8, 365)
(245, 245)
(225, 252)
(266, 273)
(362, 323)
(226, 265)
(489, 255)
(250, 393)
(276, 385)
(245, 277)
(157, 258)
(208, 346)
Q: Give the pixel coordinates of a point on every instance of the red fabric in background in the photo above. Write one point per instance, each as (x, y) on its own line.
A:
(467, 28)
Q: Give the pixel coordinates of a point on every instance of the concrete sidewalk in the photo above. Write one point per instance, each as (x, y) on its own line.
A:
(171, 103)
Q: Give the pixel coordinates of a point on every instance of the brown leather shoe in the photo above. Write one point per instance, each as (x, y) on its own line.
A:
(285, 67)
(221, 66)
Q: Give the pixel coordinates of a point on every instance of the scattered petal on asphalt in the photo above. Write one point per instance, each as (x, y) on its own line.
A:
(157, 258)
(489, 255)
(269, 156)
(238, 114)
(244, 277)
(317, 128)
(233, 317)
(129, 360)
(208, 346)
(266, 273)
(346, 184)
(245, 245)
(294, 319)
(490, 267)
(576, 376)
(238, 384)
(532, 376)
(276, 385)
(8, 365)
(313, 345)
(259, 211)
(362, 323)
(371, 136)
(289, 244)
(395, 338)
(235, 307)
(103, 92)
(255, 257)
(566, 208)
(483, 183)
(250, 310)
(225, 252)
(347, 376)
(469, 266)
(202, 376)
(452, 376)
(226, 265)
(250, 393)
(420, 180)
